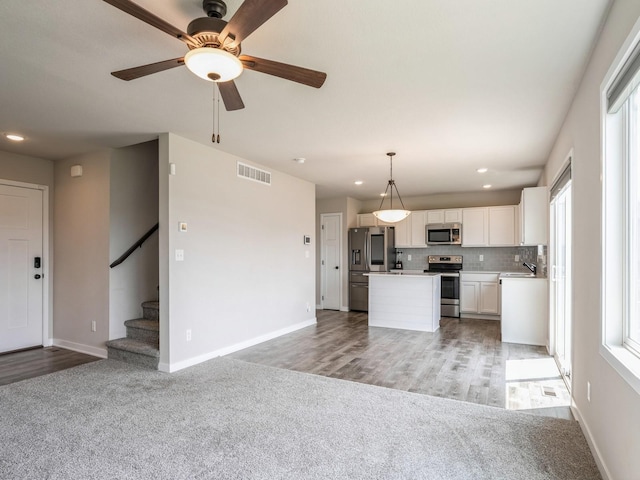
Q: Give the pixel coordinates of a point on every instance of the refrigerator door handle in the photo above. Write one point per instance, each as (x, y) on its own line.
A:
(366, 251)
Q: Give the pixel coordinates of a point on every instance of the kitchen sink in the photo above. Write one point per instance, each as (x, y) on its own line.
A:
(517, 275)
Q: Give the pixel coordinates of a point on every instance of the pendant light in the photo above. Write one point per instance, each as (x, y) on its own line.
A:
(391, 215)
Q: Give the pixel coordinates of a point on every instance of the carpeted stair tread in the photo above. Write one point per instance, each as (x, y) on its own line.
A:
(151, 304)
(151, 310)
(143, 324)
(134, 346)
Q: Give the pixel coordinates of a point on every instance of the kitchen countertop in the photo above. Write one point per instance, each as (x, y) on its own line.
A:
(404, 273)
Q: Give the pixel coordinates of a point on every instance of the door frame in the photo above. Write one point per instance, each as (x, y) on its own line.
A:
(550, 256)
(47, 298)
(340, 260)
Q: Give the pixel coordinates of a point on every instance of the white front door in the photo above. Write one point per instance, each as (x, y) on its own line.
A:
(330, 260)
(21, 281)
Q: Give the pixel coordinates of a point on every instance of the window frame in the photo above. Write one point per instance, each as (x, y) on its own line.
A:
(615, 214)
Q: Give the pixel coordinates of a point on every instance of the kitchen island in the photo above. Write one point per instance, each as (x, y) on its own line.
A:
(409, 301)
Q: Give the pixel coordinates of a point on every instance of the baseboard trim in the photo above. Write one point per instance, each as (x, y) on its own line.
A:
(174, 367)
(595, 451)
(344, 309)
(80, 347)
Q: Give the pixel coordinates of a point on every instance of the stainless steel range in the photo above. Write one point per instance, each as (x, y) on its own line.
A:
(449, 266)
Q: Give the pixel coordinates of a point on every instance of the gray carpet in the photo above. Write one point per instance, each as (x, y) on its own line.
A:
(226, 419)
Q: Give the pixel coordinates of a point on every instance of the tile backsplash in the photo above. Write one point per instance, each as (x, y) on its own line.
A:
(495, 259)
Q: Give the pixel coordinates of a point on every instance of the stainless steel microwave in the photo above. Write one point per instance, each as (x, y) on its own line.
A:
(443, 234)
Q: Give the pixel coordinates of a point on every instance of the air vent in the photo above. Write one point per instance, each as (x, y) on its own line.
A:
(253, 173)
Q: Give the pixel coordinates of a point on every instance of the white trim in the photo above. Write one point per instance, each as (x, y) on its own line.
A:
(47, 298)
(174, 367)
(595, 451)
(344, 309)
(568, 159)
(80, 347)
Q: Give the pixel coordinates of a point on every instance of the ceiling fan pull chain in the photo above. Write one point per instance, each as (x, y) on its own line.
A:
(213, 114)
(218, 105)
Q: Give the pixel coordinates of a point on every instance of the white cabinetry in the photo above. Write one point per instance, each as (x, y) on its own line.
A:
(502, 226)
(475, 227)
(524, 310)
(489, 226)
(479, 293)
(534, 208)
(370, 220)
(410, 231)
(451, 215)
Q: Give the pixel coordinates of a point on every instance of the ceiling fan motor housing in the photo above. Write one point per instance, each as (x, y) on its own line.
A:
(214, 8)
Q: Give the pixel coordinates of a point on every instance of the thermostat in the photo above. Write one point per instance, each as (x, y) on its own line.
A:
(307, 240)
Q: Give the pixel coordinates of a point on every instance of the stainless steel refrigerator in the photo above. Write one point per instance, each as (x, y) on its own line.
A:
(371, 249)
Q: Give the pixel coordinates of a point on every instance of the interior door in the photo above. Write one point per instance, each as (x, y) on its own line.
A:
(561, 279)
(21, 282)
(330, 260)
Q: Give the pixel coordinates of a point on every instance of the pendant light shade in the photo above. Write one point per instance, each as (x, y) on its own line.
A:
(391, 215)
(213, 64)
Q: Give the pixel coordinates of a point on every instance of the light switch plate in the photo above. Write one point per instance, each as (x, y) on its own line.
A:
(182, 226)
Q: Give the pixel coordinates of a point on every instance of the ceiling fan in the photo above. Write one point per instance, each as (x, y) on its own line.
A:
(215, 47)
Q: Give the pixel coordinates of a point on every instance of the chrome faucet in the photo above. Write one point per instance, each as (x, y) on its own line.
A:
(531, 266)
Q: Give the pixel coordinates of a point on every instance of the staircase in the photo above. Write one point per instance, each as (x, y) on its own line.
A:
(141, 345)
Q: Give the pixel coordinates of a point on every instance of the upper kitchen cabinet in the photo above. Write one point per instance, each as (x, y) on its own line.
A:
(370, 220)
(451, 215)
(502, 226)
(410, 231)
(534, 210)
(475, 227)
(489, 226)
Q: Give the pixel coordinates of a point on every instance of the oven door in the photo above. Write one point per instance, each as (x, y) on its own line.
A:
(450, 295)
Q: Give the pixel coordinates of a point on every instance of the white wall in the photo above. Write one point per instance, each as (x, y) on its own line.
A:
(81, 250)
(133, 211)
(245, 274)
(612, 418)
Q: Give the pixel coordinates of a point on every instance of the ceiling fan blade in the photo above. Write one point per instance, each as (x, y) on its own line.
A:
(141, 14)
(230, 96)
(302, 75)
(250, 15)
(144, 70)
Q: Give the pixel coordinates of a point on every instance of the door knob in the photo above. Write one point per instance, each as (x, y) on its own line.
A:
(37, 276)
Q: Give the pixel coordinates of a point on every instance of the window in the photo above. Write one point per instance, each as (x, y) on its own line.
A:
(621, 212)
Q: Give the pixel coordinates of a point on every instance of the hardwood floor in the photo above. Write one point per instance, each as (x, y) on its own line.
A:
(40, 361)
(463, 360)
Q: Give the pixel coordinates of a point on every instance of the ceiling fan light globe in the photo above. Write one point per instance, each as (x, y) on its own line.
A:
(391, 216)
(209, 63)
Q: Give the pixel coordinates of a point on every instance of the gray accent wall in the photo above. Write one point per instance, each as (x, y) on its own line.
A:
(81, 250)
(247, 274)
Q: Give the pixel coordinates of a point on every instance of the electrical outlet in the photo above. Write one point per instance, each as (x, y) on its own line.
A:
(588, 391)
(308, 307)
(409, 257)
(481, 258)
(517, 258)
(94, 327)
(179, 255)
(189, 335)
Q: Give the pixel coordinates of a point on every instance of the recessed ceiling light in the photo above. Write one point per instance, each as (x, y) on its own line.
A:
(486, 186)
(299, 160)
(14, 136)
(482, 170)
(358, 182)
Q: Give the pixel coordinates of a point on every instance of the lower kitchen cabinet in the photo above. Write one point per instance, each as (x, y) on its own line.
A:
(525, 316)
(479, 293)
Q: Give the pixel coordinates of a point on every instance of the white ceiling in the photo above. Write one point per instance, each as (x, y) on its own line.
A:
(449, 85)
